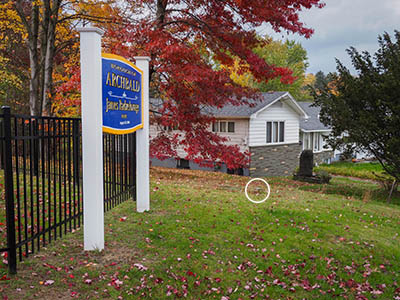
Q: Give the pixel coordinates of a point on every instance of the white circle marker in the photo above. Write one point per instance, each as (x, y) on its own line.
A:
(268, 187)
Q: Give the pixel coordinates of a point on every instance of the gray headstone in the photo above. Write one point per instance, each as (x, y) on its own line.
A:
(306, 163)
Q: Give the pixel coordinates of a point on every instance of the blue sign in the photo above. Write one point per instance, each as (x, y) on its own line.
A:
(122, 95)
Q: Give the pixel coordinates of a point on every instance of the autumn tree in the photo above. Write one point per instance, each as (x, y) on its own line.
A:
(186, 40)
(14, 60)
(42, 21)
(364, 111)
(288, 54)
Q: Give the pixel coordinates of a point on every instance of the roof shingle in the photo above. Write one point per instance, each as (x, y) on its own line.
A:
(312, 123)
(244, 110)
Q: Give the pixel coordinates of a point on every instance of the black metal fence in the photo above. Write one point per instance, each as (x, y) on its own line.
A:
(119, 159)
(41, 162)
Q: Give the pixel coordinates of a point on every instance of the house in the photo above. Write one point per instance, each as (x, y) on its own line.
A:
(273, 130)
(313, 133)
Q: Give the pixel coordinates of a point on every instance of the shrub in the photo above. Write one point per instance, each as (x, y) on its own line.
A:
(323, 175)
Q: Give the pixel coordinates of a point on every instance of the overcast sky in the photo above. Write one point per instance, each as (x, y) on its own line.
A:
(344, 23)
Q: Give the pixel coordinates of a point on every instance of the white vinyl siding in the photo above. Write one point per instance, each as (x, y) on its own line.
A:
(238, 137)
(276, 113)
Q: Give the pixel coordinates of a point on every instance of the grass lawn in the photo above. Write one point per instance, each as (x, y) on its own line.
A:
(360, 170)
(203, 240)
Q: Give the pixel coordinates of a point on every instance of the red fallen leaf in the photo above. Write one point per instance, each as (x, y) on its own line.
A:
(196, 283)
(71, 276)
(350, 283)
(376, 292)
(140, 267)
(122, 219)
(117, 283)
(5, 278)
(2, 224)
(320, 277)
(159, 280)
(269, 271)
(48, 282)
(190, 273)
(73, 294)
(218, 280)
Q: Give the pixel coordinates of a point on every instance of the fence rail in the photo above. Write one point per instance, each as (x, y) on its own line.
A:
(41, 158)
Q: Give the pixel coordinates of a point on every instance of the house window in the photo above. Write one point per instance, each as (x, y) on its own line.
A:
(183, 164)
(231, 126)
(317, 142)
(306, 141)
(311, 146)
(215, 127)
(223, 127)
(170, 128)
(269, 132)
(275, 132)
(281, 132)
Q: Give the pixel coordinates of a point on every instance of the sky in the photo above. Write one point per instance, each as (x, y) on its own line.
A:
(341, 24)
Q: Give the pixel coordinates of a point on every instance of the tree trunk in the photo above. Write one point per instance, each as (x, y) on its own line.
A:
(43, 47)
(49, 56)
(33, 60)
(32, 27)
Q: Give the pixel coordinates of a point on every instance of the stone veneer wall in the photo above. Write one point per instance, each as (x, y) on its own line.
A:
(319, 158)
(274, 160)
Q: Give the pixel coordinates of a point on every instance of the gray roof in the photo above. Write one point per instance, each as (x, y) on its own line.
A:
(239, 111)
(312, 123)
(244, 110)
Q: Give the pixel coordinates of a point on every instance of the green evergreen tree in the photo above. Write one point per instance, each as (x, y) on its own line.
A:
(364, 111)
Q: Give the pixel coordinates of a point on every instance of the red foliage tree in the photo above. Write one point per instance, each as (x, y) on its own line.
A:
(187, 40)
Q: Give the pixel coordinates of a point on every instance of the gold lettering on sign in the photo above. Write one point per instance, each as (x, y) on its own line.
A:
(126, 106)
(122, 82)
(111, 105)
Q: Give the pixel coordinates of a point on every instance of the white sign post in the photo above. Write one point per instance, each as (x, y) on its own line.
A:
(142, 143)
(92, 138)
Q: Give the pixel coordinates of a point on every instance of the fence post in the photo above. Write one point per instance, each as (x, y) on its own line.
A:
(35, 135)
(132, 163)
(9, 192)
(76, 140)
(1, 145)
